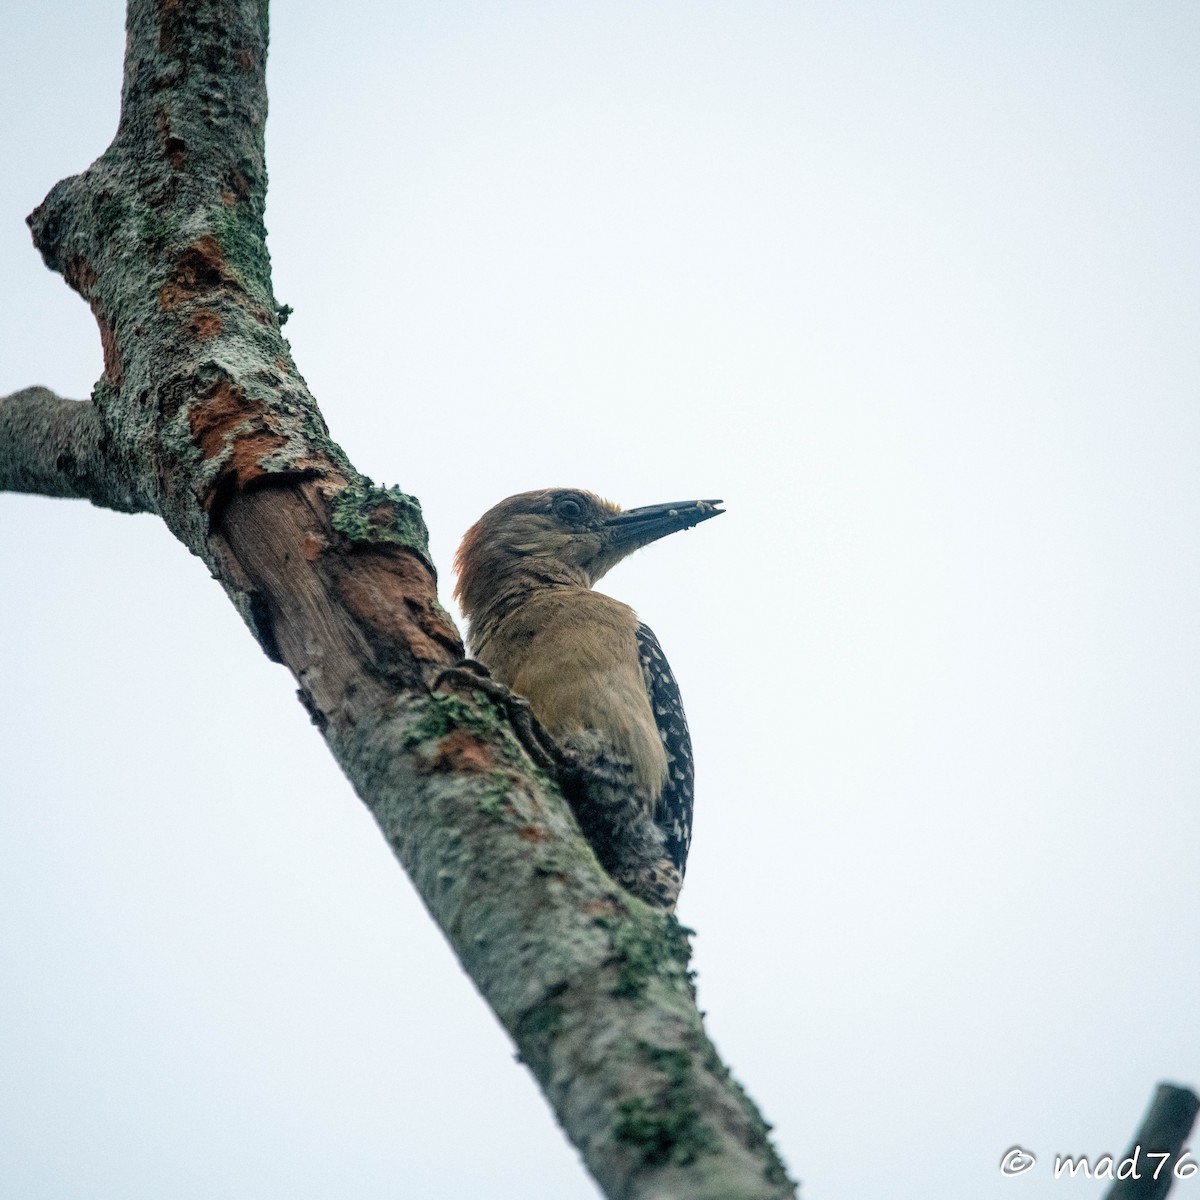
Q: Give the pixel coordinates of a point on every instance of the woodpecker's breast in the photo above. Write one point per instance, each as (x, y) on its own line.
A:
(575, 655)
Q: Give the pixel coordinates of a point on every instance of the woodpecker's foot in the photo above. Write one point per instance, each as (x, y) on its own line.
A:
(466, 670)
(471, 675)
(658, 884)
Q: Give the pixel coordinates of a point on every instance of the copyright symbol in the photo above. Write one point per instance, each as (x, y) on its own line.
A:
(1017, 1161)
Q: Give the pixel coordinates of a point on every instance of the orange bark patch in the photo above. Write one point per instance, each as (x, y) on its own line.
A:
(318, 464)
(313, 546)
(462, 754)
(226, 420)
(533, 833)
(245, 463)
(238, 184)
(391, 595)
(174, 148)
(206, 324)
(169, 24)
(81, 275)
(245, 60)
(431, 618)
(200, 268)
(113, 371)
(214, 418)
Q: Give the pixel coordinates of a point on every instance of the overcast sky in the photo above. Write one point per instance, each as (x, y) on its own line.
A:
(915, 287)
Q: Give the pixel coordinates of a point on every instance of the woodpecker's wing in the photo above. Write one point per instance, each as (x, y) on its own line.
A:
(673, 811)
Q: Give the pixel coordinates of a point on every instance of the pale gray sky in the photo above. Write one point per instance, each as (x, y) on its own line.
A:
(915, 288)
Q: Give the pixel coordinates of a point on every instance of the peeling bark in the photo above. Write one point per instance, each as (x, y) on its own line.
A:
(201, 417)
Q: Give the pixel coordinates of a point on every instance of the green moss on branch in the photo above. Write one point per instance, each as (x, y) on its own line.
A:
(372, 515)
(651, 946)
(666, 1127)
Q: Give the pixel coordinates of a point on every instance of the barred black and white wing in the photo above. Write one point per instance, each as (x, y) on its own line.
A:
(673, 811)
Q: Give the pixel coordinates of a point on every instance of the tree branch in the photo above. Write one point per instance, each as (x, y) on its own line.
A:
(56, 447)
(1164, 1130)
(201, 404)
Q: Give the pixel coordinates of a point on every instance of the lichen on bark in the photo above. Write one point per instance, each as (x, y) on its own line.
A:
(381, 515)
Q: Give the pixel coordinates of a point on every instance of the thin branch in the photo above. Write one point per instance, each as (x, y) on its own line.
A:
(56, 447)
(1164, 1130)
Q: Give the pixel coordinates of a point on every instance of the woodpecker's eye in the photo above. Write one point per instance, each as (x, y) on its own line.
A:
(568, 508)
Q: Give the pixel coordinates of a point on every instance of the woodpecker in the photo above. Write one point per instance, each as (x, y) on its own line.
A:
(593, 674)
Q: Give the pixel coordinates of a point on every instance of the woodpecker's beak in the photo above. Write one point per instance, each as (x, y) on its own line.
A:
(640, 526)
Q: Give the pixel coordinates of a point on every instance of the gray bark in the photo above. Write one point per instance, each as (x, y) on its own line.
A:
(57, 447)
(202, 418)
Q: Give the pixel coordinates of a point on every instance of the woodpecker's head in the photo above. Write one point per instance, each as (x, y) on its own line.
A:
(559, 535)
